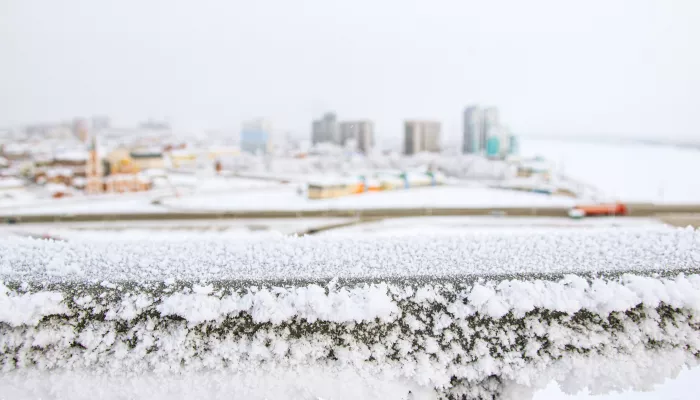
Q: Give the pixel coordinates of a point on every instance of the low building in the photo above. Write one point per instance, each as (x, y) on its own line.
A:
(535, 167)
(125, 161)
(219, 152)
(119, 161)
(16, 152)
(122, 183)
(58, 190)
(182, 159)
(147, 158)
(59, 175)
(339, 187)
(60, 166)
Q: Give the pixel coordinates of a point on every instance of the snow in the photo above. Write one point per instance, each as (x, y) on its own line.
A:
(317, 258)
(72, 155)
(682, 387)
(29, 308)
(55, 172)
(607, 309)
(618, 360)
(56, 188)
(99, 204)
(413, 226)
(313, 382)
(428, 197)
(215, 184)
(624, 171)
(11, 183)
(172, 230)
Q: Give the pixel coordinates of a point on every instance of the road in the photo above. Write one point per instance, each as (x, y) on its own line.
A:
(674, 214)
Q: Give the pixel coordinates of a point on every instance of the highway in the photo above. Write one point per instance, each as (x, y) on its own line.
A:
(674, 214)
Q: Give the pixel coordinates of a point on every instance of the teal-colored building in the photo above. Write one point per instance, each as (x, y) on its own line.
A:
(493, 147)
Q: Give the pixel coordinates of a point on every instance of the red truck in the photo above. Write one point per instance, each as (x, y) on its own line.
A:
(598, 210)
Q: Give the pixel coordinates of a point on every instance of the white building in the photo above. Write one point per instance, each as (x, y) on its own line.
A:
(421, 136)
(325, 130)
(361, 132)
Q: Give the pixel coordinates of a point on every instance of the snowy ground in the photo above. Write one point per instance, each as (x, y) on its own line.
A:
(184, 185)
(287, 384)
(625, 171)
(435, 197)
(216, 229)
(171, 229)
(413, 226)
(682, 387)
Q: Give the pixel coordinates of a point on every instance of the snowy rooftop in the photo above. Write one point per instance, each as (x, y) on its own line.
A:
(11, 183)
(73, 155)
(551, 253)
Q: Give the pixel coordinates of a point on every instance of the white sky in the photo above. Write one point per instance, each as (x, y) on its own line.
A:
(553, 67)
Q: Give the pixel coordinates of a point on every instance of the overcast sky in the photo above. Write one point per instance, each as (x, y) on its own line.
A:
(628, 68)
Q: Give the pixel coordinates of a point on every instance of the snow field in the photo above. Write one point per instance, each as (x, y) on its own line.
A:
(430, 197)
(625, 171)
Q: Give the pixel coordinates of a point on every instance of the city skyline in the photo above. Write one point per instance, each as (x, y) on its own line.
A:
(576, 69)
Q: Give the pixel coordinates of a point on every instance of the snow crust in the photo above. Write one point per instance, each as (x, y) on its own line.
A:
(552, 252)
(451, 338)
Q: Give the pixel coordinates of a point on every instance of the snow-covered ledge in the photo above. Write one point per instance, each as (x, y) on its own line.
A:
(492, 315)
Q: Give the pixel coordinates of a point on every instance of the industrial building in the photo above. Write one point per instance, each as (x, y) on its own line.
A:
(340, 187)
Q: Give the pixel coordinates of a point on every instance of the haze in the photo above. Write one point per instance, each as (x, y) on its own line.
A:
(625, 68)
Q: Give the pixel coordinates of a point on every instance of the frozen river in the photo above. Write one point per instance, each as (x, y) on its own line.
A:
(626, 171)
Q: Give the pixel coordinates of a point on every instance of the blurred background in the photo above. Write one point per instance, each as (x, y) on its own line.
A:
(156, 110)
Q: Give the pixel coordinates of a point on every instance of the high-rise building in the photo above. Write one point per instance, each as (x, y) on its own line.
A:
(256, 136)
(489, 123)
(325, 130)
(472, 128)
(361, 132)
(421, 136)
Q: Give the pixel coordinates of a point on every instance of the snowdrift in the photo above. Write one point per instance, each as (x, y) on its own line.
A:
(473, 316)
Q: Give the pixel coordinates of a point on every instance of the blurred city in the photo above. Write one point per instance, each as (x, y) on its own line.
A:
(93, 166)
